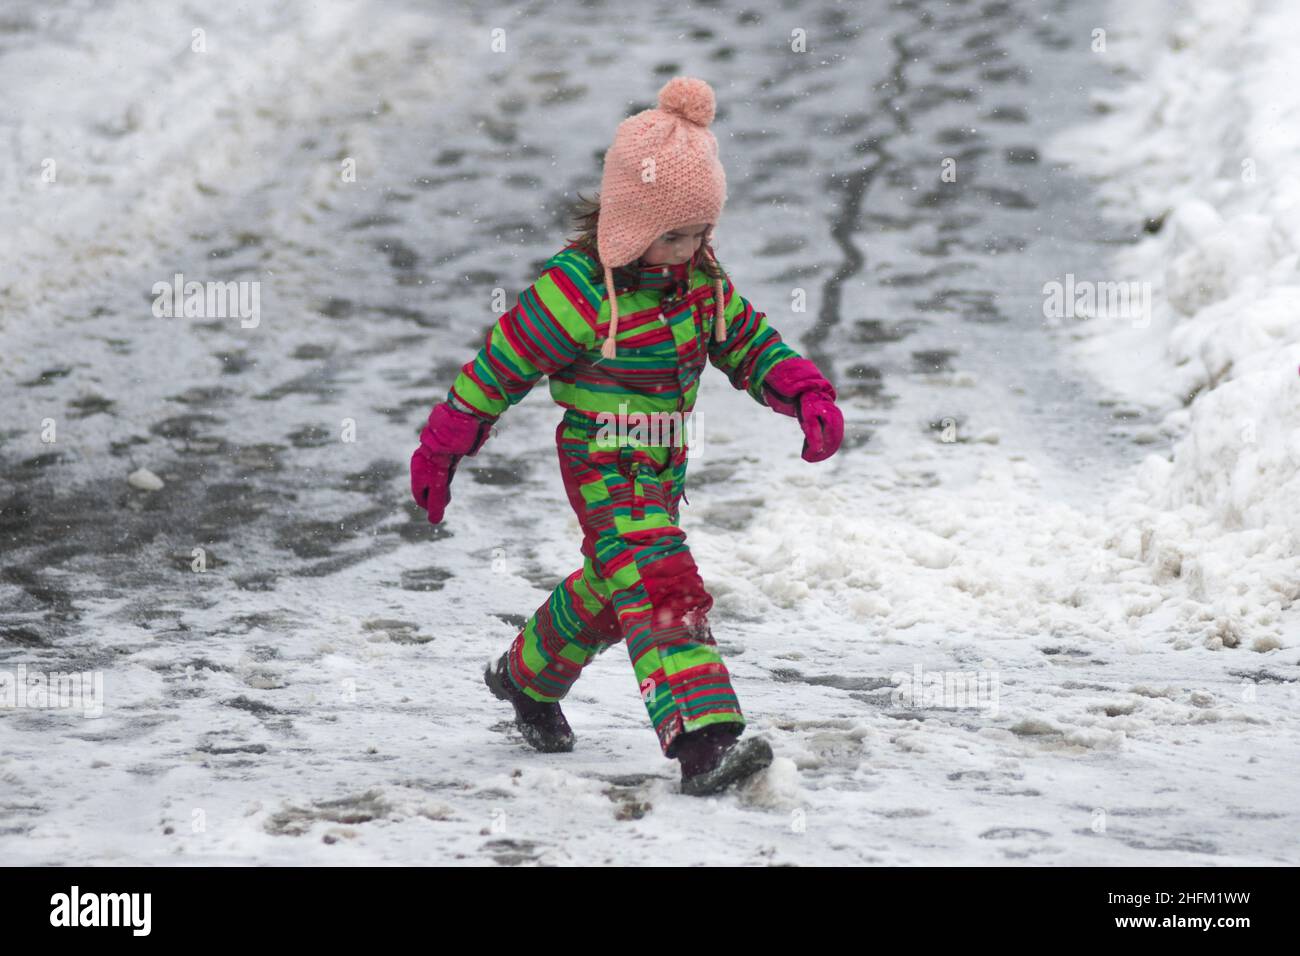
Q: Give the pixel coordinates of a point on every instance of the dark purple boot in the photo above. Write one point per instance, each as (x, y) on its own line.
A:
(712, 760)
(542, 725)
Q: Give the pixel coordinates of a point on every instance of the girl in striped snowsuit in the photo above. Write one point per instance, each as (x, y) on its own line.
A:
(622, 321)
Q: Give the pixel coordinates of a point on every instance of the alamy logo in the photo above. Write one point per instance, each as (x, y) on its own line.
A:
(208, 300)
(659, 429)
(947, 689)
(102, 909)
(53, 689)
(1083, 299)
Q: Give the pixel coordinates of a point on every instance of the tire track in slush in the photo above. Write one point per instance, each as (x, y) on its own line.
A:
(855, 186)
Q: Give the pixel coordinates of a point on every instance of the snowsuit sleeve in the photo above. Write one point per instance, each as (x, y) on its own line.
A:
(751, 347)
(549, 327)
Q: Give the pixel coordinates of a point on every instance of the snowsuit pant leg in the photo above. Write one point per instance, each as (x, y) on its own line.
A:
(576, 623)
(627, 504)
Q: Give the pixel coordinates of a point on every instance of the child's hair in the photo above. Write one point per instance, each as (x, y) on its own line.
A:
(628, 278)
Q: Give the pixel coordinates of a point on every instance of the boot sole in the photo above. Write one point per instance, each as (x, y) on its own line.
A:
(739, 763)
(542, 744)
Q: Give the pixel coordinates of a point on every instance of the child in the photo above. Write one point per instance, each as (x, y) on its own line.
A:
(637, 351)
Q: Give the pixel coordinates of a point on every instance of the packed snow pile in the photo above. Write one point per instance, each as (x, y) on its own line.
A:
(997, 557)
(1203, 148)
(95, 184)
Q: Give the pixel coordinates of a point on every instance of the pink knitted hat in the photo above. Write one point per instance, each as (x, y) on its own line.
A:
(661, 173)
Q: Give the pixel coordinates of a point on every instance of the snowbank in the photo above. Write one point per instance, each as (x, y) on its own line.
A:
(103, 168)
(1204, 143)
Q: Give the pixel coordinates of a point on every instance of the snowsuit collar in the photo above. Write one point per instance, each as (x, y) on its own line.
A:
(661, 277)
(676, 282)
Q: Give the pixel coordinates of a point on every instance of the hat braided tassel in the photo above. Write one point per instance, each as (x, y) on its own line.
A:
(719, 308)
(607, 348)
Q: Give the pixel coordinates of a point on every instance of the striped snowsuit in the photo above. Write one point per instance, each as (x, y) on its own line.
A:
(638, 580)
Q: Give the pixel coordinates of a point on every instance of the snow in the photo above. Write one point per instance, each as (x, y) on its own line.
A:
(144, 479)
(1207, 140)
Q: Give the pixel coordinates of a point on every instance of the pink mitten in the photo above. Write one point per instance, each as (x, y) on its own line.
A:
(449, 435)
(796, 388)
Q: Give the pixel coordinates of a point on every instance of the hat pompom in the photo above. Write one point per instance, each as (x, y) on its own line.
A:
(689, 98)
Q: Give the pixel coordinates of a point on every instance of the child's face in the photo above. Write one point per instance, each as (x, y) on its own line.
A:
(676, 246)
